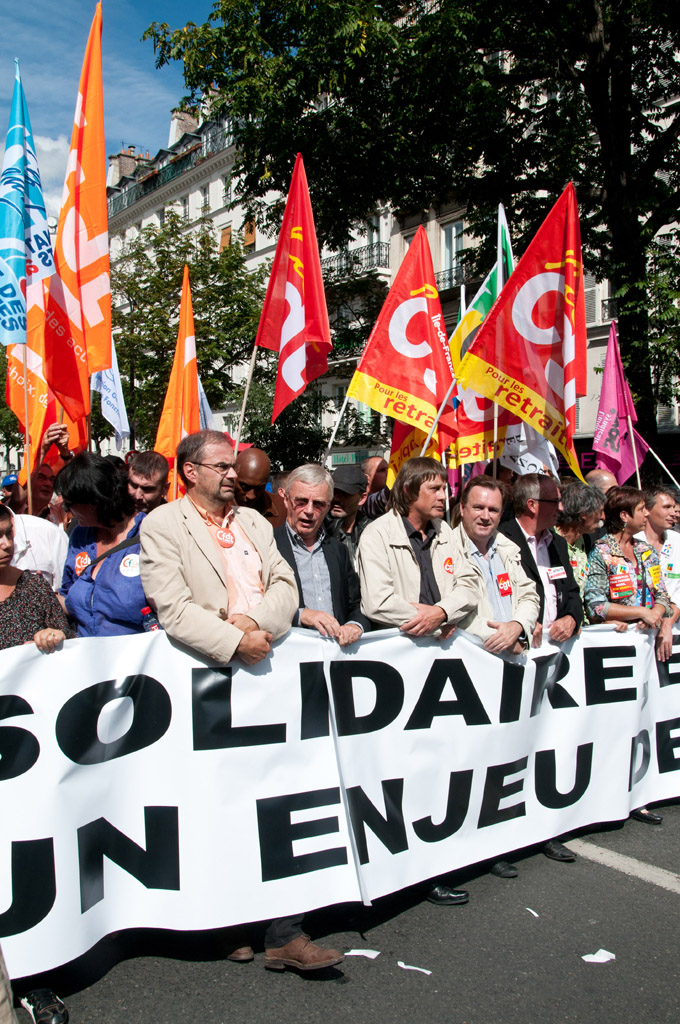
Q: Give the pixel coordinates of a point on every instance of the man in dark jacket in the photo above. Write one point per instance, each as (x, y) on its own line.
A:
(327, 582)
(545, 557)
(545, 560)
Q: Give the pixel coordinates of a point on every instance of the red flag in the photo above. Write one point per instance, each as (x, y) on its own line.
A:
(612, 438)
(180, 414)
(78, 318)
(294, 319)
(406, 369)
(529, 355)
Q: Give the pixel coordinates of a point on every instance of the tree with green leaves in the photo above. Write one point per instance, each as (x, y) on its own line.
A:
(146, 282)
(471, 100)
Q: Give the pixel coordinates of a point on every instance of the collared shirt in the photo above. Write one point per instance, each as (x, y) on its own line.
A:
(538, 546)
(241, 562)
(312, 568)
(429, 591)
(41, 547)
(669, 556)
(494, 572)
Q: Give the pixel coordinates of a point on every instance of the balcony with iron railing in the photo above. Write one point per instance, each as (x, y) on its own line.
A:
(212, 142)
(375, 256)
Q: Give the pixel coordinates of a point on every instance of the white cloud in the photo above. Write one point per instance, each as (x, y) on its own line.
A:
(52, 156)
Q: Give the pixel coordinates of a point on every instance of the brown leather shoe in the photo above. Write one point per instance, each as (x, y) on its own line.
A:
(303, 954)
(241, 955)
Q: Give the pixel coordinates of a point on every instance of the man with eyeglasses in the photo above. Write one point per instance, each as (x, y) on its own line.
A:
(545, 557)
(330, 600)
(219, 585)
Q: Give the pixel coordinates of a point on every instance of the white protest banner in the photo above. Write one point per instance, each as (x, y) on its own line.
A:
(142, 788)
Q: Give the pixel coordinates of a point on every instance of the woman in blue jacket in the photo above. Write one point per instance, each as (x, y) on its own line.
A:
(101, 588)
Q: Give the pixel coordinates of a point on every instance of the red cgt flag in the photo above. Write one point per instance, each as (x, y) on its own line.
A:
(294, 319)
(406, 369)
(78, 317)
(529, 355)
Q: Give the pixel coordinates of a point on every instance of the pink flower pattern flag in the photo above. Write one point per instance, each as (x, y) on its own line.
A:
(612, 439)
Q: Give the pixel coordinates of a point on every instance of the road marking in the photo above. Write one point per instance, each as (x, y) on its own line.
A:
(627, 865)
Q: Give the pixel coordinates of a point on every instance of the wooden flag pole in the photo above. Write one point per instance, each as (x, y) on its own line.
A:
(635, 458)
(27, 439)
(251, 368)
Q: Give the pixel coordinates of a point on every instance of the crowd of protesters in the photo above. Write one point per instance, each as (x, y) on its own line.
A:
(240, 557)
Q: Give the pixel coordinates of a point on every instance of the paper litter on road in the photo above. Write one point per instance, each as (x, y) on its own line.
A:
(531, 911)
(601, 957)
(406, 967)
(370, 954)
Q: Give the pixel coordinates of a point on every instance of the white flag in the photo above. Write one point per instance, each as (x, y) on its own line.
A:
(107, 383)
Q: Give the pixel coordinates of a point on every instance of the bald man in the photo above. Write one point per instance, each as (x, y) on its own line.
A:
(601, 478)
(253, 469)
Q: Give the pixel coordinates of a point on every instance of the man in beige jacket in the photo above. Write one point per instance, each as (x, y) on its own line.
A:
(405, 558)
(220, 586)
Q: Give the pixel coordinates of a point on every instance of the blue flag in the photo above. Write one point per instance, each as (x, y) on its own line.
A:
(206, 418)
(25, 247)
(107, 383)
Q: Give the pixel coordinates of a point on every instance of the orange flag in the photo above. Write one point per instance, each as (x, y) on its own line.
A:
(78, 319)
(294, 320)
(529, 355)
(406, 369)
(43, 408)
(407, 442)
(180, 414)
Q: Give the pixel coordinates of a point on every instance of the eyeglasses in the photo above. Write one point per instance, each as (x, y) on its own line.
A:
(318, 506)
(549, 501)
(220, 467)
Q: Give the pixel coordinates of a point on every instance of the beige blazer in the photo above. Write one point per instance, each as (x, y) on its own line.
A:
(182, 575)
(390, 575)
(524, 596)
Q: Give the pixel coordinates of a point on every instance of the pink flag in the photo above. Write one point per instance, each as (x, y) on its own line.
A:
(612, 439)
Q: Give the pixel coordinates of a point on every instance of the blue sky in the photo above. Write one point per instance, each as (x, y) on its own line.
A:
(49, 38)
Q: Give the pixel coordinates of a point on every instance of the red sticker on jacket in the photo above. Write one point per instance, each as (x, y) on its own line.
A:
(82, 562)
(226, 538)
(448, 565)
(504, 584)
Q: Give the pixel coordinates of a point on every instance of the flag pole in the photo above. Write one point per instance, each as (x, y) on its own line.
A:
(335, 430)
(437, 418)
(664, 467)
(635, 458)
(249, 378)
(499, 289)
(27, 440)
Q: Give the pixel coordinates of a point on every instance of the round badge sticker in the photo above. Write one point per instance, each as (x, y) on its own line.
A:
(448, 565)
(130, 566)
(226, 538)
(82, 562)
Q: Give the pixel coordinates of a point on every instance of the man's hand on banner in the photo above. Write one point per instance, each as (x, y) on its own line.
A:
(325, 623)
(505, 638)
(428, 617)
(254, 646)
(537, 635)
(349, 634)
(562, 629)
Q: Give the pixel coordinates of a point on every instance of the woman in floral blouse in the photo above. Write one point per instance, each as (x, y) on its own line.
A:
(625, 584)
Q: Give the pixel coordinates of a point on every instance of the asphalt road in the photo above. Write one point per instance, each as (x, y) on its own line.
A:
(491, 960)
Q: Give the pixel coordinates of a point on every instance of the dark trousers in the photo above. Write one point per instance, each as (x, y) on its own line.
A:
(282, 930)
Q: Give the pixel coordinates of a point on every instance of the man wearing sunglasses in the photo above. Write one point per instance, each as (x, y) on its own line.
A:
(328, 584)
(545, 557)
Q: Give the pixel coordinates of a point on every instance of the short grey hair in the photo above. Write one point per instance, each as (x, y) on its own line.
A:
(313, 474)
(579, 501)
(527, 488)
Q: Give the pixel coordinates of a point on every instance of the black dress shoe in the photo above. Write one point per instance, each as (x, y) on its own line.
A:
(558, 851)
(649, 817)
(504, 869)
(444, 896)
